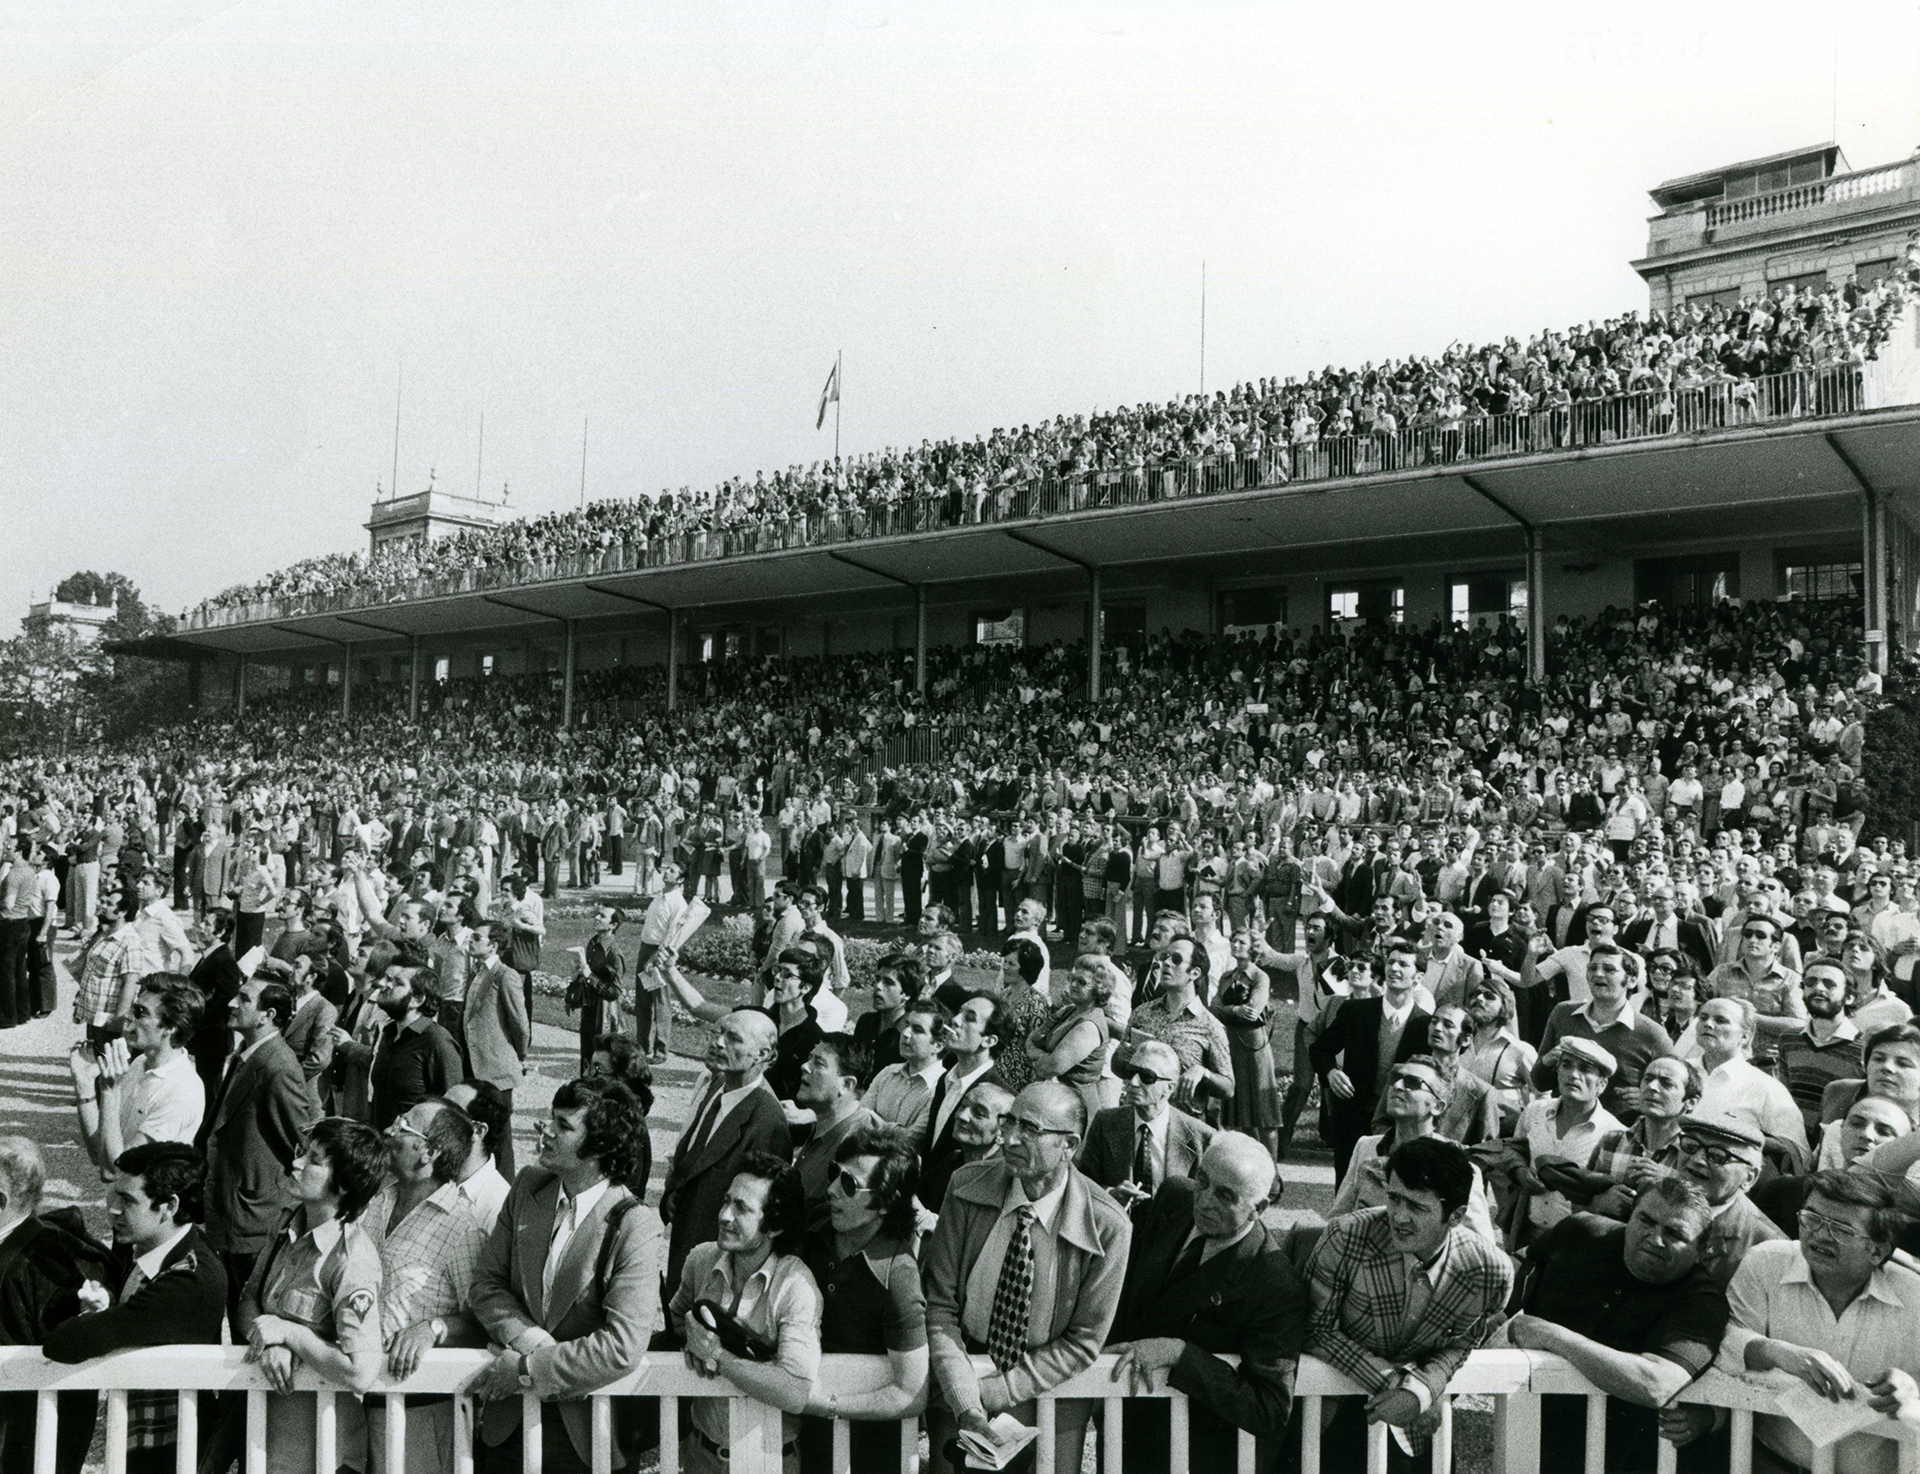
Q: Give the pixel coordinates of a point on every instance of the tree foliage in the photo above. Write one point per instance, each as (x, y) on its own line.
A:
(1892, 775)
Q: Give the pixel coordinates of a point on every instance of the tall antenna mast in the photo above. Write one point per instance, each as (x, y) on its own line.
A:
(399, 379)
(583, 462)
(1203, 325)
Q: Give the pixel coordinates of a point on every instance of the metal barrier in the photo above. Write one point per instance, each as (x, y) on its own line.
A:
(1838, 389)
(1514, 1380)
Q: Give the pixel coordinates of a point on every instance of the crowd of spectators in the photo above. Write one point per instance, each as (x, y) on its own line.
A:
(1604, 994)
(1653, 369)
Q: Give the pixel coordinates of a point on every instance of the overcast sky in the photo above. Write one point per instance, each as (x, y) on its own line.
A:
(226, 225)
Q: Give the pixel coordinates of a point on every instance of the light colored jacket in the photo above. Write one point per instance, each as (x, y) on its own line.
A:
(496, 1024)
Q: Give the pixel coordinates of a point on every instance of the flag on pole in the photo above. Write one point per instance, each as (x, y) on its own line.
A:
(829, 395)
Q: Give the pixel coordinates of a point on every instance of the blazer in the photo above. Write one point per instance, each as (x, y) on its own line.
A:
(588, 1333)
(1351, 1042)
(217, 976)
(262, 1111)
(932, 1145)
(309, 1034)
(1107, 1154)
(1091, 1268)
(697, 1181)
(496, 1025)
(1359, 1294)
(1245, 1301)
(1695, 934)
(184, 1304)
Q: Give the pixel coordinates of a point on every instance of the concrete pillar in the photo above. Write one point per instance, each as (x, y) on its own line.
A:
(1873, 564)
(346, 681)
(195, 670)
(920, 640)
(1536, 605)
(566, 688)
(673, 660)
(1095, 638)
(413, 680)
(240, 686)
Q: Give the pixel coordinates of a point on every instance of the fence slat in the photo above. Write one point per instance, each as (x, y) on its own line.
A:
(46, 1431)
(842, 1446)
(326, 1435)
(186, 1448)
(602, 1435)
(117, 1431)
(669, 1433)
(1742, 1460)
(531, 1450)
(463, 1429)
(1377, 1436)
(1112, 1416)
(1043, 1445)
(909, 1445)
(1179, 1431)
(1516, 1434)
(1310, 1430)
(256, 1432)
(1443, 1439)
(1596, 1434)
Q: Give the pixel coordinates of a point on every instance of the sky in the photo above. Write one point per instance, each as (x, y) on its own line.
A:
(235, 234)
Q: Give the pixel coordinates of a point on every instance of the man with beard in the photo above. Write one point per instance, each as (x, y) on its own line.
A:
(415, 1057)
(1830, 1050)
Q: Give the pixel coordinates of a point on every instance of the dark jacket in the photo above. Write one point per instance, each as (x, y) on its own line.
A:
(1246, 1301)
(42, 1266)
(1107, 1154)
(697, 1182)
(262, 1111)
(217, 976)
(184, 1304)
(1351, 1042)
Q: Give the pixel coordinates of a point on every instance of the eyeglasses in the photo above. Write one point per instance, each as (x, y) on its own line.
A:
(401, 1128)
(1756, 934)
(1031, 1130)
(1144, 1075)
(1833, 1228)
(850, 1185)
(1719, 1156)
(1411, 1081)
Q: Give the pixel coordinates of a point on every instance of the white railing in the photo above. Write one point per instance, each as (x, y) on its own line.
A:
(1860, 185)
(1515, 1380)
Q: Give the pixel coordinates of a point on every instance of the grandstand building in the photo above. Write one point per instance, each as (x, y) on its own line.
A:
(1805, 485)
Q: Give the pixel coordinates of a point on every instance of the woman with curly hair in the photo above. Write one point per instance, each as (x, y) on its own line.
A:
(314, 1295)
(863, 1260)
(749, 1310)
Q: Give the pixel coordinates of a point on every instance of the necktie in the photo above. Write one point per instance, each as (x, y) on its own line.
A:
(1419, 1293)
(1188, 1260)
(709, 1113)
(135, 1279)
(1013, 1296)
(556, 1246)
(1143, 1159)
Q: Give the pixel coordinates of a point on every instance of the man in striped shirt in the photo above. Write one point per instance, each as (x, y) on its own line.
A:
(1829, 1050)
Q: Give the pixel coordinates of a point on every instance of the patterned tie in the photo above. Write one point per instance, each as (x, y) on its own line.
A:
(1143, 1160)
(1013, 1296)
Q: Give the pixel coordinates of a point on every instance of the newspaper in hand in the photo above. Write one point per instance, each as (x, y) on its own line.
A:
(1008, 1436)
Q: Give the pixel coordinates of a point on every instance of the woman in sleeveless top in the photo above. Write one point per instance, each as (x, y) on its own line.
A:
(1243, 1002)
(1069, 1042)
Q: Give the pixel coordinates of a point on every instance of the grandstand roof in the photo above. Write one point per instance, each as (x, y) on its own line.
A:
(1707, 184)
(1784, 479)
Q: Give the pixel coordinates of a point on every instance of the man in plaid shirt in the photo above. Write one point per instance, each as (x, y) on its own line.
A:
(1401, 1295)
(109, 968)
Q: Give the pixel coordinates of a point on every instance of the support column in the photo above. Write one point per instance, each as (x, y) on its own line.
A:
(413, 680)
(673, 659)
(1095, 637)
(346, 681)
(194, 676)
(1536, 605)
(1873, 565)
(920, 640)
(240, 686)
(566, 690)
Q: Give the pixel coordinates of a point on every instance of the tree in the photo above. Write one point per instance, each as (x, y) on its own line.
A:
(1892, 765)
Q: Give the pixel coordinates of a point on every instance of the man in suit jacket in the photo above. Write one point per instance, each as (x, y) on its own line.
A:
(1693, 936)
(1134, 1147)
(496, 1027)
(735, 1115)
(1403, 1332)
(309, 1033)
(569, 1282)
(217, 976)
(1076, 1238)
(977, 1032)
(1360, 1045)
(167, 1286)
(1206, 1279)
(258, 1119)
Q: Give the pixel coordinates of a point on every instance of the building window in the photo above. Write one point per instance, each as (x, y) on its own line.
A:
(442, 668)
(706, 648)
(1478, 597)
(486, 665)
(1371, 603)
(1725, 297)
(1252, 611)
(1817, 280)
(1872, 273)
(1000, 627)
(1823, 580)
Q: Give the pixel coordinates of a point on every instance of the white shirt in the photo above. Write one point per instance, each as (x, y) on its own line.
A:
(148, 1264)
(957, 1087)
(1740, 1089)
(572, 1211)
(1540, 1129)
(166, 1104)
(486, 1193)
(1773, 1295)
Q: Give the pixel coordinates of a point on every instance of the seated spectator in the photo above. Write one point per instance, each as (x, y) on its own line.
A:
(1206, 1279)
(314, 1296)
(478, 1179)
(1633, 1310)
(164, 1287)
(902, 1093)
(1026, 1266)
(1758, 975)
(1869, 1124)
(1893, 1072)
(1417, 1095)
(142, 1086)
(1830, 1050)
(1470, 1115)
(754, 1273)
(1835, 1311)
(1564, 1128)
(974, 1136)
(872, 1303)
(832, 1081)
(596, 1286)
(1738, 1089)
(1625, 1163)
(1401, 1295)
(1721, 1155)
(1608, 1018)
(1870, 1002)
(1140, 1143)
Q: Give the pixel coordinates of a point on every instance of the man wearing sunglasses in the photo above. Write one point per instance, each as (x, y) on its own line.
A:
(1759, 975)
(1134, 1147)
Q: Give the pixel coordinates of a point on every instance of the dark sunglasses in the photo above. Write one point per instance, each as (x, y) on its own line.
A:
(1144, 1075)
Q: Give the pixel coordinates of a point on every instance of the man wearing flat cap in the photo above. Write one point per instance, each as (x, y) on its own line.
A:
(1721, 1155)
(1564, 1128)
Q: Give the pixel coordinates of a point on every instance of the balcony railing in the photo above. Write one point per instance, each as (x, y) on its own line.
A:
(1841, 189)
(1515, 1381)
(1810, 393)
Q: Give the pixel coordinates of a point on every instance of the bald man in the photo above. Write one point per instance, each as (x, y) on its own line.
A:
(1206, 1279)
(735, 1116)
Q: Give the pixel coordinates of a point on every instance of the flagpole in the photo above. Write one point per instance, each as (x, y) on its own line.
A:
(839, 393)
(1203, 326)
(583, 462)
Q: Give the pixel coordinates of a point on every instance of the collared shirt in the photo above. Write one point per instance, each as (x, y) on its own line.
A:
(976, 1311)
(427, 1258)
(107, 968)
(485, 1194)
(328, 1279)
(1737, 1088)
(1617, 1151)
(1881, 1011)
(570, 1211)
(779, 1301)
(166, 939)
(166, 1104)
(1365, 1186)
(1773, 1295)
(147, 1266)
(1541, 1131)
(957, 1087)
(814, 1162)
(1193, 1033)
(904, 1099)
(1775, 995)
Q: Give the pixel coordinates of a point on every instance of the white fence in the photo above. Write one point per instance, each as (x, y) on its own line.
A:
(1514, 1380)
